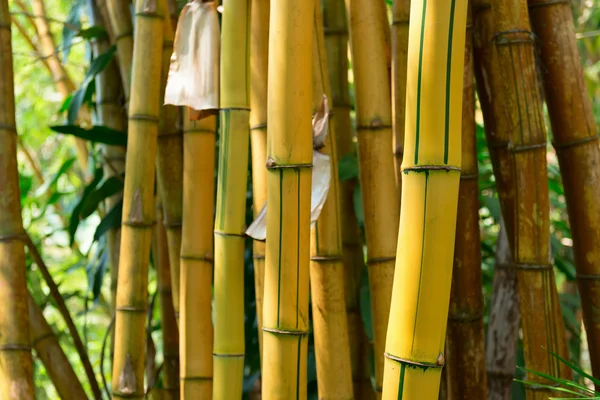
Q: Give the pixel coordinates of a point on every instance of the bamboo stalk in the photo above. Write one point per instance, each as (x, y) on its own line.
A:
(197, 258)
(169, 165)
(400, 24)
(431, 168)
(575, 141)
(48, 350)
(229, 343)
(289, 158)
(465, 349)
(330, 323)
(259, 54)
(160, 252)
(122, 28)
(336, 43)
(138, 203)
(376, 163)
(16, 365)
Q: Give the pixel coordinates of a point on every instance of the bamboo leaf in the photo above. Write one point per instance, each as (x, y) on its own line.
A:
(553, 388)
(96, 134)
(577, 369)
(66, 165)
(365, 304)
(564, 382)
(348, 167)
(109, 187)
(110, 220)
(68, 33)
(76, 214)
(93, 32)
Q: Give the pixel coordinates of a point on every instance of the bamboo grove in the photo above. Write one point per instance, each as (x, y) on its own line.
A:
(333, 199)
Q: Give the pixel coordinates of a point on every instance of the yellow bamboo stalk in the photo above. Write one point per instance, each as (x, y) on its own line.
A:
(138, 203)
(431, 168)
(336, 42)
(400, 24)
(16, 365)
(289, 158)
(376, 163)
(160, 254)
(48, 350)
(465, 368)
(229, 344)
(122, 28)
(330, 323)
(197, 258)
(259, 53)
(169, 164)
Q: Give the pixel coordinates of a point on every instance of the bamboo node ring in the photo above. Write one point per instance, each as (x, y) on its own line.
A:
(5, 26)
(15, 347)
(8, 127)
(380, 260)
(423, 168)
(139, 224)
(575, 142)
(326, 259)
(219, 233)
(469, 176)
(149, 14)
(500, 38)
(590, 277)
(123, 35)
(229, 355)
(258, 126)
(439, 363)
(131, 309)
(271, 164)
(206, 258)
(196, 378)
(526, 147)
(284, 331)
(533, 266)
(464, 317)
(197, 130)
(143, 117)
(546, 3)
(400, 22)
(41, 338)
(14, 236)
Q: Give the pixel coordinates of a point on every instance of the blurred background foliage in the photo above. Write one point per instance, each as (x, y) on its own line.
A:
(63, 204)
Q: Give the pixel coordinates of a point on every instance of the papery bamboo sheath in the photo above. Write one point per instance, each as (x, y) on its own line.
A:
(289, 158)
(229, 343)
(430, 188)
(138, 203)
(576, 143)
(376, 164)
(48, 350)
(16, 365)
(336, 43)
(465, 352)
(197, 258)
(259, 59)
(330, 323)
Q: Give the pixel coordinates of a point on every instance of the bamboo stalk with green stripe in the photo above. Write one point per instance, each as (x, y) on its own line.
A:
(336, 43)
(16, 364)
(138, 203)
(229, 344)
(330, 324)
(122, 28)
(197, 257)
(465, 367)
(259, 60)
(431, 173)
(289, 175)
(576, 144)
(376, 163)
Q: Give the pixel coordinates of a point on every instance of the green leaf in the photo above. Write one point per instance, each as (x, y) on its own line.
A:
(93, 32)
(348, 167)
(50, 183)
(575, 368)
(109, 187)
(68, 33)
(85, 90)
(76, 214)
(493, 204)
(96, 270)
(110, 220)
(358, 207)
(97, 134)
(560, 381)
(365, 304)
(553, 388)
(65, 105)
(25, 184)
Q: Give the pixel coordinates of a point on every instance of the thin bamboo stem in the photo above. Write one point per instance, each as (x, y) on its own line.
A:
(465, 343)
(376, 164)
(289, 158)
(575, 141)
(122, 28)
(431, 174)
(330, 323)
(48, 350)
(16, 365)
(259, 54)
(197, 258)
(336, 42)
(229, 343)
(160, 252)
(138, 202)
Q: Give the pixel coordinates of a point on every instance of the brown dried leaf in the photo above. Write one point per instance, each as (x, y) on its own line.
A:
(127, 380)
(136, 215)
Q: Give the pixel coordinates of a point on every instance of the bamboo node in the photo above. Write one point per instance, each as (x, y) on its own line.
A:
(427, 168)
(380, 260)
(335, 32)
(326, 259)
(131, 309)
(271, 164)
(277, 331)
(533, 266)
(219, 233)
(123, 35)
(143, 117)
(206, 257)
(258, 257)
(469, 176)
(546, 3)
(399, 152)
(8, 127)
(197, 130)
(14, 236)
(170, 134)
(465, 317)
(223, 355)
(172, 225)
(127, 381)
(376, 123)
(5, 26)
(511, 36)
(41, 338)
(15, 347)
(526, 147)
(258, 127)
(588, 276)
(196, 378)
(397, 22)
(439, 363)
(574, 143)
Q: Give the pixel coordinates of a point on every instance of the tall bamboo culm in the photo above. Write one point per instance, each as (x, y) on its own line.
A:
(519, 140)
(48, 350)
(289, 174)
(229, 344)
(197, 258)
(376, 162)
(430, 188)
(330, 324)
(465, 348)
(16, 365)
(138, 203)
(170, 334)
(336, 43)
(169, 164)
(576, 144)
(259, 61)
(122, 28)
(400, 25)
